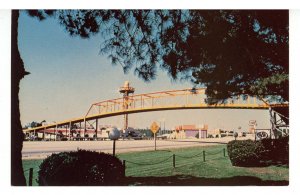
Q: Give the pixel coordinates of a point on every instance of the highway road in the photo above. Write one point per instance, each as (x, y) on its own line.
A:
(42, 149)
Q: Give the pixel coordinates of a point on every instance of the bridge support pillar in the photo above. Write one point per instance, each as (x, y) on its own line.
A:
(96, 132)
(84, 131)
(66, 132)
(279, 123)
(275, 127)
(80, 129)
(55, 133)
(70, 128)
(125, 122)
(273, 121)
(43, 138)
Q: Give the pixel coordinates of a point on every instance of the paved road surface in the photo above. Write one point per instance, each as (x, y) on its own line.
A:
(41, 149)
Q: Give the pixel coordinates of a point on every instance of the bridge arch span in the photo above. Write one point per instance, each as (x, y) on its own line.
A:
(160, 101)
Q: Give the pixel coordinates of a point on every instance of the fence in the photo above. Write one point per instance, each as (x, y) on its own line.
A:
(202, 154)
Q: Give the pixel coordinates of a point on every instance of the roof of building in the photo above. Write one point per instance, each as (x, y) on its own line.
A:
(190, 127)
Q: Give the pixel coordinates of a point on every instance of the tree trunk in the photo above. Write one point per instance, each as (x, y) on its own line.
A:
(17, 73)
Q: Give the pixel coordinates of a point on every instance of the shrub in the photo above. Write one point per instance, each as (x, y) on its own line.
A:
(246, 153)
(259, 153)
(80, 168)
(278, 150)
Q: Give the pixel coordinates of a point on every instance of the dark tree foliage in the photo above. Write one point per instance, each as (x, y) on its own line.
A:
(231, 52)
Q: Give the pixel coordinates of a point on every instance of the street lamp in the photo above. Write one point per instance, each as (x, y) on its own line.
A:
(162, 130)
(114, 135)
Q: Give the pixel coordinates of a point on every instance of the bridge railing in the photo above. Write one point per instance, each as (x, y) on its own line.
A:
(176, 98)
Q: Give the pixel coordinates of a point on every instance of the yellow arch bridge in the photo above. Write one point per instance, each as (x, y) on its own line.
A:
(157, 101)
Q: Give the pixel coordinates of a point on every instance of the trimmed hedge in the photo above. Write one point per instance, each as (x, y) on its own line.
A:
(81, 168)
(247, 153)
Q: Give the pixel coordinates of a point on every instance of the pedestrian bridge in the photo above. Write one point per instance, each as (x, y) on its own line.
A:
(159, 101)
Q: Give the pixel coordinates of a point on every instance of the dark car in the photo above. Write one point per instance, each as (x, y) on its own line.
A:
(131, 134)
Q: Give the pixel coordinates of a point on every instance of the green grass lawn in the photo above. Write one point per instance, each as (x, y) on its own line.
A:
(27, 164)
(189, 170)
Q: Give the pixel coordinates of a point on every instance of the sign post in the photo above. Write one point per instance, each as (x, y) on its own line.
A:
(155, 141)
(252, 126)
(154, 128)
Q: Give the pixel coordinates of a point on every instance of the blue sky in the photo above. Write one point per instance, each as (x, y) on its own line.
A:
(68, 74)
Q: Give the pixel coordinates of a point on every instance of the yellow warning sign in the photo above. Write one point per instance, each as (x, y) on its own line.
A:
(154, 127)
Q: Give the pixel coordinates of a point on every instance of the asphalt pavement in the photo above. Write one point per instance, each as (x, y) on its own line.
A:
(42, 149)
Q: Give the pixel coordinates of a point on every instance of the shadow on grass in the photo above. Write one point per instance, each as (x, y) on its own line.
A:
(184, 180)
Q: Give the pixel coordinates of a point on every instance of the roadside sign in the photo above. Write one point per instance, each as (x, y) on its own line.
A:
(154, 127)
(252, 122)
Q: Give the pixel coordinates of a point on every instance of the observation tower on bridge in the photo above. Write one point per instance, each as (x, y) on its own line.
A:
(126, 90)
